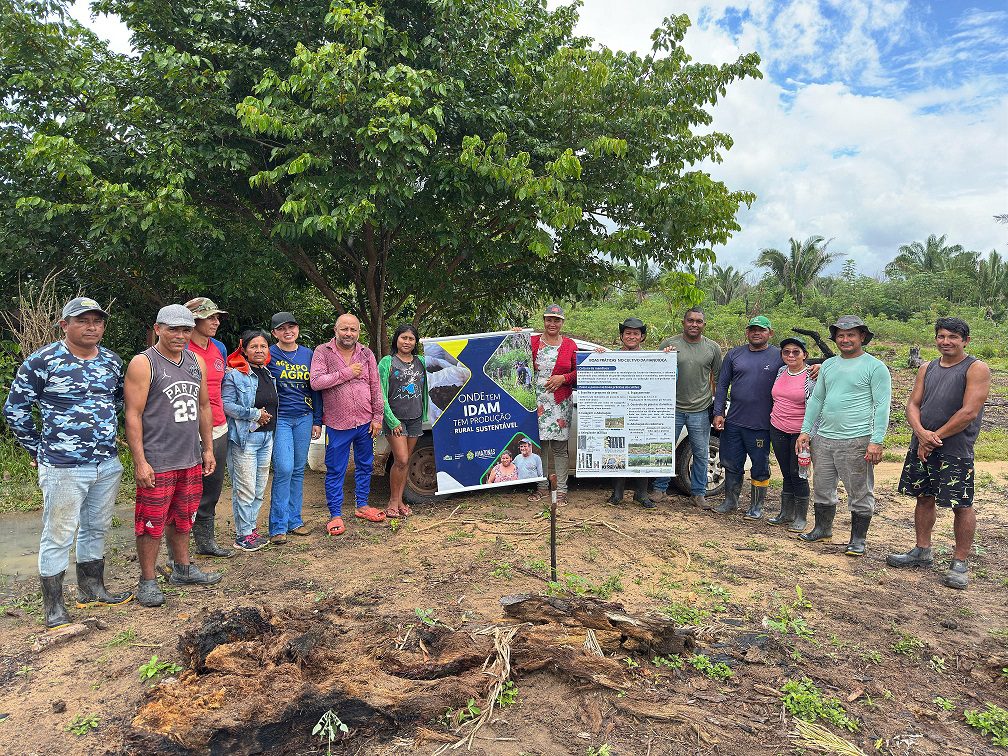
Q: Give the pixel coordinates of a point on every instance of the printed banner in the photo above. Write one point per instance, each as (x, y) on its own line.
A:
(626, 414)
(482, 407)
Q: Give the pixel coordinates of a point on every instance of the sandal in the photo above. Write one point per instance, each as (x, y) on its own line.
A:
(536, 497)
(370, 514)
(394, 513)
(406, 511)
(336, 526)
(561, 499)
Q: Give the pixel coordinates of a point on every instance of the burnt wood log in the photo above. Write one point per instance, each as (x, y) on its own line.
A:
(825, 348)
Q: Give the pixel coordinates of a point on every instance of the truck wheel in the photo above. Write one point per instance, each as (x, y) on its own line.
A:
(715, 472)
(421, 473)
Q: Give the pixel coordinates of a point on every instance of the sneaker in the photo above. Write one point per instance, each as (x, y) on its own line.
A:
(251, 542)
(957, 575)
(918, 556)
(148, 593)
(300, 530)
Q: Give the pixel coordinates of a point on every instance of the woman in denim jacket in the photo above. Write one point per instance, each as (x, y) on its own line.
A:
(249, 395)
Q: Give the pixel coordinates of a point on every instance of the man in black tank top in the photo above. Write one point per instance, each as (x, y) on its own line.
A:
(170, 432)
(945, 410)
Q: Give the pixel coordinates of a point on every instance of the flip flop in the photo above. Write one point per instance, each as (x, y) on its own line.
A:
(394, 514)
(406, 511)
(336, 526)
(536, 497)
(370, 514)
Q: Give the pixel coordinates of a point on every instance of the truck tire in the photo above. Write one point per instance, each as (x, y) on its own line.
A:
(715, 472)
(421, 473)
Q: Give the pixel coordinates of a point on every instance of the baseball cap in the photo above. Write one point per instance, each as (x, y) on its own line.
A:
(554, 311)
(80, 305)
(846, 322)
(204, 307)
(760, 321)
(800, 343)
(174, 315)
(282, 318)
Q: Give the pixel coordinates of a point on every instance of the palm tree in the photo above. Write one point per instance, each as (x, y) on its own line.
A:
(726, 284)
(798, 270)
(643, 277)
(933, 256)
(992, 281)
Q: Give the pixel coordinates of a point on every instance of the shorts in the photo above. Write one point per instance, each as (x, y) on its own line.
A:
(174, 499)
(410, 428)
(948, 479)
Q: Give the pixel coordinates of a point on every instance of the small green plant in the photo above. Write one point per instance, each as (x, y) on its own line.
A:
(508, 695)
(937, 664)
(122, 639)
(944, 704)
(427, 617)
(24, 671)
(454, 718)
(536, 565)
(82, 724)
(992, 721)
(502, 571)
(602, 750)
(329, 728)
(153, 668)
(682, 614)
(805, 701)
(872, 656)
(710, 545)
(631, 664)
(612, 584)
(702, 664)
(908, 644)
(672, 661)
(394, 524)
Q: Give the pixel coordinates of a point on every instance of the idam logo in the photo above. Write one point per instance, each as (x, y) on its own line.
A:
(470, 455)
(447, 457)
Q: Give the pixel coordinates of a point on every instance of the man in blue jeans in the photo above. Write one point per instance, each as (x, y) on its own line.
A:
(77, 387)
(698, 365)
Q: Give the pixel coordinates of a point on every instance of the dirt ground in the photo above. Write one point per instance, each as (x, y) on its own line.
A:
(455, 559)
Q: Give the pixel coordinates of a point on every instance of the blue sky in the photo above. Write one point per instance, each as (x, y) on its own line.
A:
(878, 122)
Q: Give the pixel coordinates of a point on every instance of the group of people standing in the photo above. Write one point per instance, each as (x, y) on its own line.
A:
(189, 405)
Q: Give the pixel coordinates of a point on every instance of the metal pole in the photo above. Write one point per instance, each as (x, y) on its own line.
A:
(553, 507)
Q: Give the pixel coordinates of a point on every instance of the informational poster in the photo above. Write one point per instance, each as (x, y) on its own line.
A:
(482, 408)
(626, 414)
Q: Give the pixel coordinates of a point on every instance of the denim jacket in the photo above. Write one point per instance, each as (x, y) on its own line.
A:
(238, 393)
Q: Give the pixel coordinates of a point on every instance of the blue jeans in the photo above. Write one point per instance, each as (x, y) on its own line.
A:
(73, 497)
(290, 455)
(337, 457)
(738, 442)
(249, 469)
(697, 425)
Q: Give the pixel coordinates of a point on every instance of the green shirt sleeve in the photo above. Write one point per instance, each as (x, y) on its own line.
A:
(881, 388)
(383, 373)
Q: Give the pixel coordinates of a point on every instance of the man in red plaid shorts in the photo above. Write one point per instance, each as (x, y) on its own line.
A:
(167, 417)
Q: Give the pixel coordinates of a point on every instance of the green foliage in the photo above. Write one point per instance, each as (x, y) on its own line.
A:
(329, 728)
(804, 701)
(944, 704)
(908, 645)
(702, 664)
(683, 614)
(788, 617)
(671, 661)
(82, 724)
(602, 750)
(153, 668)
(571, 583)
(508, 695)
(992, 721)
(454, 718)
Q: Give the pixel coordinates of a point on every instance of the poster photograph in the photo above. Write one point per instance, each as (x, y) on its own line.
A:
(626, 414)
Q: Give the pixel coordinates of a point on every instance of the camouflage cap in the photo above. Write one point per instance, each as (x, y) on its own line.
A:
(204, 307)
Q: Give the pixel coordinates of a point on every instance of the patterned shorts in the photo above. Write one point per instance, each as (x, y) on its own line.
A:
(948, 479)
(174, 499)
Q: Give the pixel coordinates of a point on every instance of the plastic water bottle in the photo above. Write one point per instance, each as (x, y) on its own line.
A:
(804, 460)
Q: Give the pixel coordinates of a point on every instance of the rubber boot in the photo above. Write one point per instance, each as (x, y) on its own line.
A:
(732, 490)
(918, 556)
(618, 487)
(165, 570)
(91, 586)
(56, 614)
(757, 495)
(787, 510)
(823, 530)
(190, 574)
(148, 593)
(858, 534)
(641, 494)
(800, 515)
(203, 535)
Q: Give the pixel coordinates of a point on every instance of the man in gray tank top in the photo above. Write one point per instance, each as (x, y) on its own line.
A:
(945, 410)
(167, 416)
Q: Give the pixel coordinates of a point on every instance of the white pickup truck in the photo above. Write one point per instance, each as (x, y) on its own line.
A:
(421, 476)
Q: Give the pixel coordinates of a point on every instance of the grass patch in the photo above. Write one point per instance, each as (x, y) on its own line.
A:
(806, 702)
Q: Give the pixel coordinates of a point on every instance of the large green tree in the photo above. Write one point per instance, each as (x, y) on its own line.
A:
(435, 160)
(799, 269)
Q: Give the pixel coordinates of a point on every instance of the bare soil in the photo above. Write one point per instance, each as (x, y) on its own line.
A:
(457, 558)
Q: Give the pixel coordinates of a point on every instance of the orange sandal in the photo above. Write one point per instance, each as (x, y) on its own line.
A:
(336, 526)
(370, 514)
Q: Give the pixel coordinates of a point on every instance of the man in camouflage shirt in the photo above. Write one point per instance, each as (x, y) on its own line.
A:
(77, 387)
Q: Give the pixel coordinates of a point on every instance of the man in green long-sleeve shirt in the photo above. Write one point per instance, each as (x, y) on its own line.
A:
(851, 404)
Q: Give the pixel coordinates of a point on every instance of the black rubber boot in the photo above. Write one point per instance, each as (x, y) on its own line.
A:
(91, 586)
(858, 534)
(732, 491)
(823, 530)
(800, 515)
(148, 593)
(56, 614)
(757, 495)
(641, 495)
(787, 513)
(918, 556)
(190, 574)
(618, 488)
(206, 544)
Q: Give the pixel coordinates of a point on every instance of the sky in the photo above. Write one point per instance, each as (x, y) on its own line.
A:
(877, 122)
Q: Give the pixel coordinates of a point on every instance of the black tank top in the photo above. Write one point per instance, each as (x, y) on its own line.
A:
(171, 416)
(944, 389)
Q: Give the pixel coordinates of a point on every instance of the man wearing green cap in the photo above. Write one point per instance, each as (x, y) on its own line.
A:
(749, 371)
(851, 404)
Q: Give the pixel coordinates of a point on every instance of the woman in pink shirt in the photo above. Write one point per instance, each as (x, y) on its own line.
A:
(790, 391)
